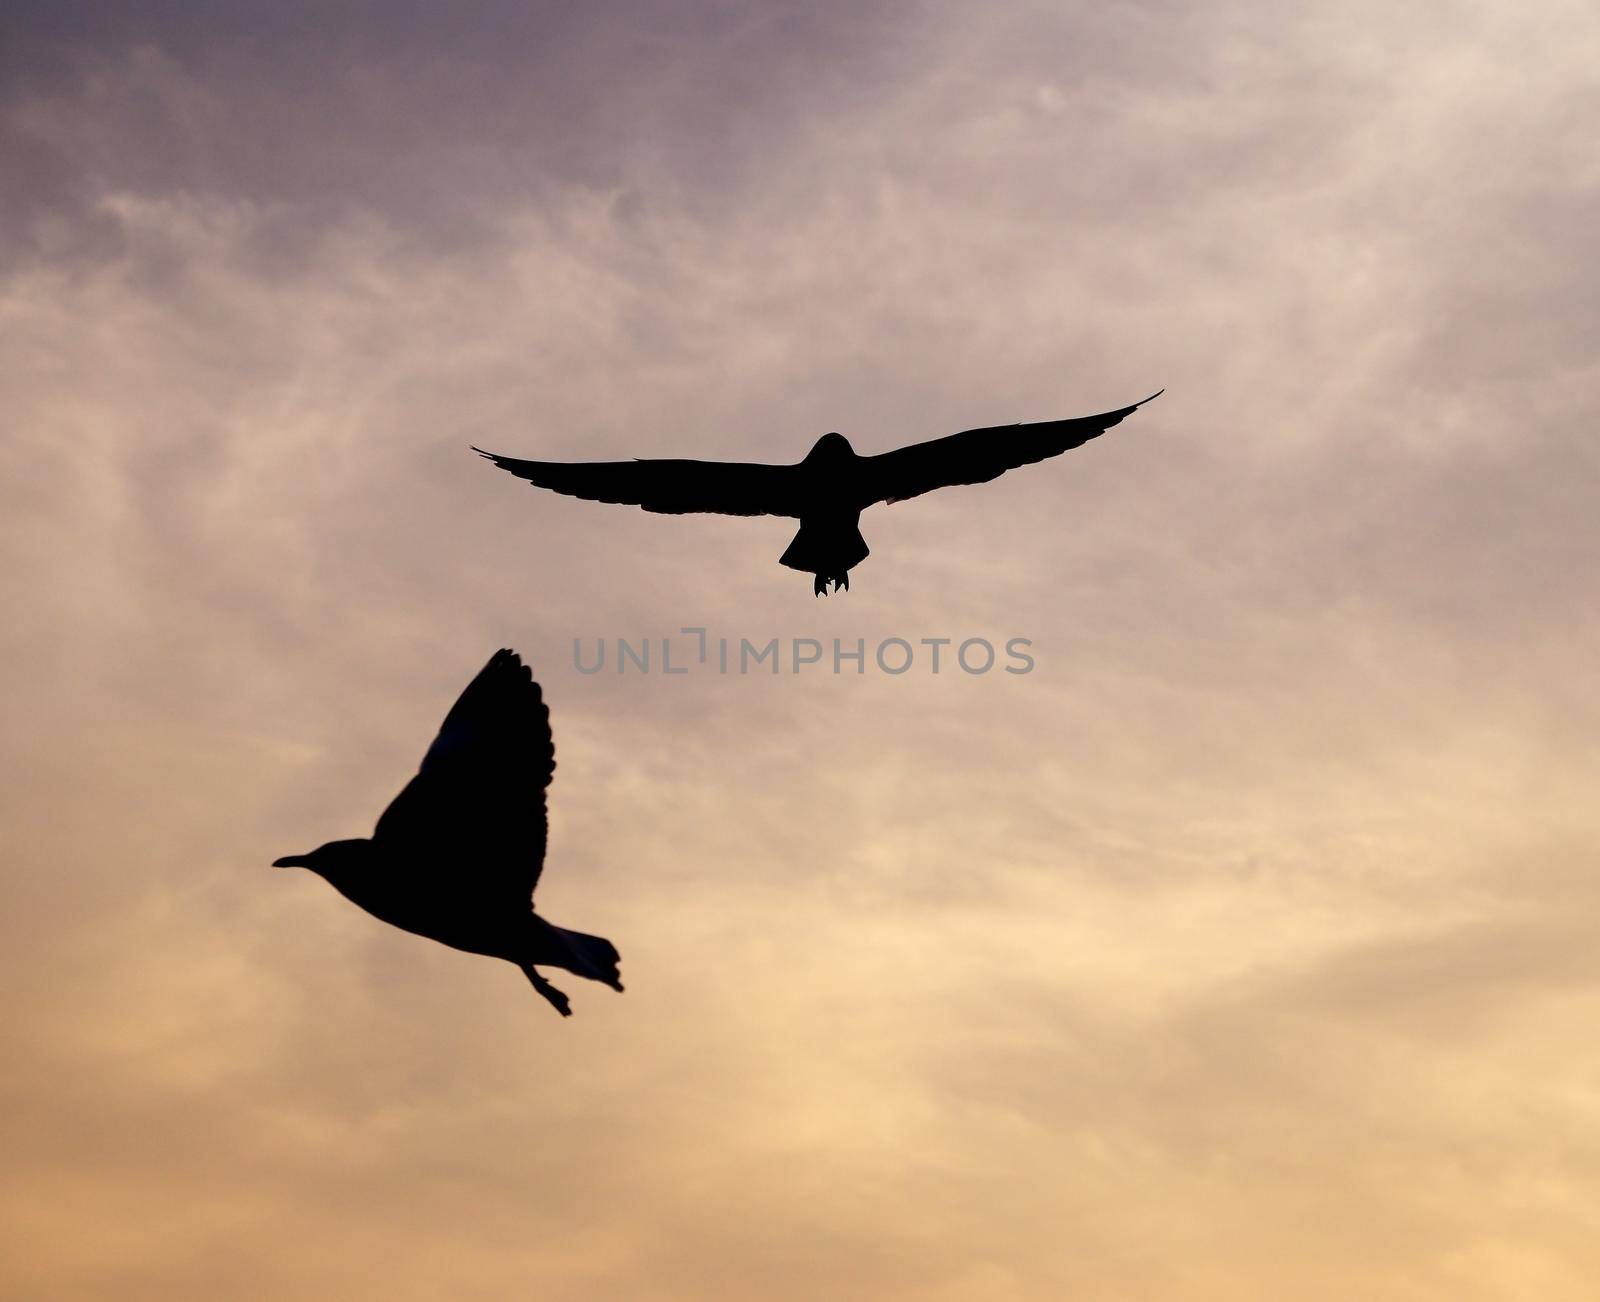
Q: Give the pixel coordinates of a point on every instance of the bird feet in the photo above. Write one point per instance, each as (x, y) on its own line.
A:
(841, 582)
(557, 1000)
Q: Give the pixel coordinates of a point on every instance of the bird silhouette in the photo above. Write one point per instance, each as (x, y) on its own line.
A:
(827, 491)
(456, 855)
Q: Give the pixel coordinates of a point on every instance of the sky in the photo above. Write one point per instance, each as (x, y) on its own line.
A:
(1247, 945)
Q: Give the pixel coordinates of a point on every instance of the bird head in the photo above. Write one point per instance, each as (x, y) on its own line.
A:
(831, 447)
(327, 860)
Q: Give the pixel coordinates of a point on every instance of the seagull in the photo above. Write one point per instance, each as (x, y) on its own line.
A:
(456, 855)
(827, 491)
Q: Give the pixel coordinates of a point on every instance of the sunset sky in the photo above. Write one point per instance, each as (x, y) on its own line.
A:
(1248, 947)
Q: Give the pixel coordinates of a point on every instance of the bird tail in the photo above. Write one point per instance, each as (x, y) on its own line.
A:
(592, 956)
(825, 547)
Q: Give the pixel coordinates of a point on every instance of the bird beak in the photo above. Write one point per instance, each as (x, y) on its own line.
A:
(290, 861)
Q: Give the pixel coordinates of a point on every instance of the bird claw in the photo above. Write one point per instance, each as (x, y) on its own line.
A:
(554, 997)
(820, 588)
(841, 583)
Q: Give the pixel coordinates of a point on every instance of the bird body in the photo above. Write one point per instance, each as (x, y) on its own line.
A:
(456, 855)
(827, 490)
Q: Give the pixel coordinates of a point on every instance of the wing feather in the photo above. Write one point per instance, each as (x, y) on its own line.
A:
(478, 803)
(668, 487)
(976, 456)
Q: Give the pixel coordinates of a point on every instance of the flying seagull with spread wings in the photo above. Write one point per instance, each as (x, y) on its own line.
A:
(458, 852)
(826, 492)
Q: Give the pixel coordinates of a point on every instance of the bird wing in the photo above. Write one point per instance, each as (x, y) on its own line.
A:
(665, 486)
(478, 803)
(976, 456)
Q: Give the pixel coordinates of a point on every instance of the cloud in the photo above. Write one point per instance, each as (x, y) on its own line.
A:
(1241, 946)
